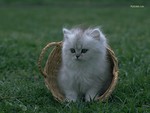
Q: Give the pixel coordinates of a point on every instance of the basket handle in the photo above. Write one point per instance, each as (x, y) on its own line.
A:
(42, 55)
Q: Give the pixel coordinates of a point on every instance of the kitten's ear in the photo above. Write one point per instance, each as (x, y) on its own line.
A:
(66, 32)
(96, 33)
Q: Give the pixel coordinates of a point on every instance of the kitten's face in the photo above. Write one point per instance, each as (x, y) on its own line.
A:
(78, 50)
(79, 45)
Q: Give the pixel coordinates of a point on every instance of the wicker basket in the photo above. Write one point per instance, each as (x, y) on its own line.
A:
(53, 64)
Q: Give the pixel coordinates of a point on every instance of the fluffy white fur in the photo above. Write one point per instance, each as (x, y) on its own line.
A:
(89, 73)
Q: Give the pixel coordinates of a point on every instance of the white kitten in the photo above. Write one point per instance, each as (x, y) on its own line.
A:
(85, 69)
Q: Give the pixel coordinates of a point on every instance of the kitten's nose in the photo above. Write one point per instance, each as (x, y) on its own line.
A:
(77, 56)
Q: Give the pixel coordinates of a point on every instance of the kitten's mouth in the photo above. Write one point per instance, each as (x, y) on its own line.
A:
(77, 59)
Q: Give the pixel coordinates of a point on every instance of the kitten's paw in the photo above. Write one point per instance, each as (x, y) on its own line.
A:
(91, 96)
(90, 99)
(70, 100)
(71, 97)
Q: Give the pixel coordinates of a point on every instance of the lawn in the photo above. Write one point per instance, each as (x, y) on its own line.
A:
(25, 30)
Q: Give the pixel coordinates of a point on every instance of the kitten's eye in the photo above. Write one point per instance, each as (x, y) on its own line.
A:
(84, 50)
(72, 50)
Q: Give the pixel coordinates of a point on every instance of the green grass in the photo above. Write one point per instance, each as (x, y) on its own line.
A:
(24, 31)
(85, 2)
